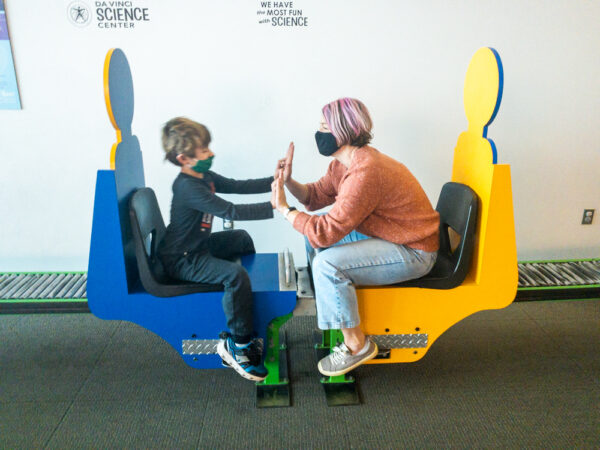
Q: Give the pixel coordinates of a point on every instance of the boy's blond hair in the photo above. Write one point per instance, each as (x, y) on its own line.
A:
(182, 136)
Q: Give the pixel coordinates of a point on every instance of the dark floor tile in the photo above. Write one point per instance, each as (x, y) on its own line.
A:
(492, 341)
(587, 330)
(308, 424)
(538, 418)
(139, 365)
(134, 346)
(130, 424)
(49, 357)
(176, 382)
(40, 382)
(584, 350)
(430, 420)
(51, 338)
(514, 311)
(546, 375)
(527, 380)
(584, 311)
(489, 415)
(29, 424)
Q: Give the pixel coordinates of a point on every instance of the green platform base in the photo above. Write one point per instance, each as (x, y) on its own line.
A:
(275, 391)
(341, 390)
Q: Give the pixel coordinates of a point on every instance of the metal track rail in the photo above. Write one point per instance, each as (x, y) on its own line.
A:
(559, 280)
(43, 292)
(66, 292)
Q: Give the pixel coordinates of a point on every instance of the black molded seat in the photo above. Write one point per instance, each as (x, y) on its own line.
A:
(148, 228)
(457, 205)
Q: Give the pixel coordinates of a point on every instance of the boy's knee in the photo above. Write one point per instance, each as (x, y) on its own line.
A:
(238, 277)
(245, 240)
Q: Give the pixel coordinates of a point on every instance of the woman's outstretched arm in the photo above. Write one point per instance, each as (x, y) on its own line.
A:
(284, 166)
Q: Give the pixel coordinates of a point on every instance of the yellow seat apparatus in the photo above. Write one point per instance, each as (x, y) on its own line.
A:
(412, 318)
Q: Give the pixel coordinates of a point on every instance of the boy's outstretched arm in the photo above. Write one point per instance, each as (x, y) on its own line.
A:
(226, 185)
(203, 200)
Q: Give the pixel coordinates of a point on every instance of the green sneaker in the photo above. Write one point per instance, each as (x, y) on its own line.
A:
(341, 360)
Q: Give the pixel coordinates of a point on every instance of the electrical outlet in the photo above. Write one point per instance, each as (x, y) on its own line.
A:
(588, 216)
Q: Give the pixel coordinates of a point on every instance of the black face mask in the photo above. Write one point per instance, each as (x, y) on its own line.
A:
(326, 143)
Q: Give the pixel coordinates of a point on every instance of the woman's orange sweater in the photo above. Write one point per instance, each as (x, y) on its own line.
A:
(377, 196)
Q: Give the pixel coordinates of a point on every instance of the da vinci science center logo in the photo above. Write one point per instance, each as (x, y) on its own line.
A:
(109, 14)
(79, 14)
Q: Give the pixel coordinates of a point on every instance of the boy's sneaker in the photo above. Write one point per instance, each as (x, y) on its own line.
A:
(341, 360)
(246, 360)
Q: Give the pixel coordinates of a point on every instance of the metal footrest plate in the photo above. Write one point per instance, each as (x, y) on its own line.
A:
(203, 346)
(390, 341)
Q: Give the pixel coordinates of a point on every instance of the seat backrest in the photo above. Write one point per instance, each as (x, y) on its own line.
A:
(148, 228)
(457, 205)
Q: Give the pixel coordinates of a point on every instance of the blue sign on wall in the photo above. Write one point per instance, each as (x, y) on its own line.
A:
(9, 92)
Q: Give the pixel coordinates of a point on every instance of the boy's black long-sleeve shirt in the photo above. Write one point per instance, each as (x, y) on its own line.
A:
(195, 204)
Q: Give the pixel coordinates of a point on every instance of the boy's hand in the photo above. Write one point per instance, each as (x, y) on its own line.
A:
(285, 164)
(278, 199)
(274, 192)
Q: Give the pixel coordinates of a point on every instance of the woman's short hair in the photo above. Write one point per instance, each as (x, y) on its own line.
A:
(349, 121)
(182, 136)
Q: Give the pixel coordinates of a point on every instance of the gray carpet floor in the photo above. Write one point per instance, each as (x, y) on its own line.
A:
(527, 376)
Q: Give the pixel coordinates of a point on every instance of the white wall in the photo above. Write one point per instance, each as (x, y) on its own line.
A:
(257, 87)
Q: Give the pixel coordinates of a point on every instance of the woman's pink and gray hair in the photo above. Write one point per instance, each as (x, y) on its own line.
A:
(349, 121)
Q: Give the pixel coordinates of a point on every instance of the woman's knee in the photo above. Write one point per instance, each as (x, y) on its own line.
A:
(317, 264)
(322, 264)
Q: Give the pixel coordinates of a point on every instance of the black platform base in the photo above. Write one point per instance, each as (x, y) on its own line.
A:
(273, 395)
(341, 394)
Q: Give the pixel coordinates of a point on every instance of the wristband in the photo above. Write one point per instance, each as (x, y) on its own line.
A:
(289, 210)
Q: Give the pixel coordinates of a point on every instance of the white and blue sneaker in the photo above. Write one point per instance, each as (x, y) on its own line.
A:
(245, 360)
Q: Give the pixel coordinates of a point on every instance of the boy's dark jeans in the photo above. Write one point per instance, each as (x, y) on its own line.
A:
(214, 266)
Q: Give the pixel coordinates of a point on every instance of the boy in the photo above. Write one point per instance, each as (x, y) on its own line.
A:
(190, 252)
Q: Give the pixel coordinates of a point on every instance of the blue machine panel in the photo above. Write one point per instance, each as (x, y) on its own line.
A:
(196, 316)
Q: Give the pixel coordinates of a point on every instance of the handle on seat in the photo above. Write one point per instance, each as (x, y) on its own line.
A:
(288, 268)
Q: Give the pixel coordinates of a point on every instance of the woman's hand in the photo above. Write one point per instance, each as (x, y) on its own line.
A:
(285, 164)
(278, 199)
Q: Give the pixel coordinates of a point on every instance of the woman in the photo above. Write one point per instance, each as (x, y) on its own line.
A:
(380, 230)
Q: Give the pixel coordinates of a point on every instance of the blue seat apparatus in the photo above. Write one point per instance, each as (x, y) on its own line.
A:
(125, 280)
(148, 229)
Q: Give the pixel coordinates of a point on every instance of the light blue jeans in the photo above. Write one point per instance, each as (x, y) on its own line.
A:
(359, 260)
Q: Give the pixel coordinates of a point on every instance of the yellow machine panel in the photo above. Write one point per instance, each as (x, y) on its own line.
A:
(493, 277)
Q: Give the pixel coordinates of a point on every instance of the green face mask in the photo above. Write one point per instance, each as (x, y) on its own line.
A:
(203, 165)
